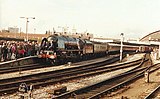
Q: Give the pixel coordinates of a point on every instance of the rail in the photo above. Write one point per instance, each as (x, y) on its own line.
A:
(151, 94)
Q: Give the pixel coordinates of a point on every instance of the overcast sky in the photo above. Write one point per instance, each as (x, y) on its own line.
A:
(106, 18)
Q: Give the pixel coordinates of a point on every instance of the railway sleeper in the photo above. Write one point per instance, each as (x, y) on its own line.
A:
(59, 90)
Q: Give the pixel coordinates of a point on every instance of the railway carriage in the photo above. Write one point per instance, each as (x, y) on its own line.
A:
(115, 48)
(101, 48)
(87, 48)
(130, 48)
(145, 49)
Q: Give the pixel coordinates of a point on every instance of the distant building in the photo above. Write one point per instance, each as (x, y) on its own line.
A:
(5, 31)
(83, 35)
(13, 29)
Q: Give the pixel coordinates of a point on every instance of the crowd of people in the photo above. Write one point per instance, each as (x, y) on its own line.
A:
(10, 50)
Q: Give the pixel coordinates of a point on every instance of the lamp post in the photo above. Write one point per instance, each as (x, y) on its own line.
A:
(121, 49)
(27, 21)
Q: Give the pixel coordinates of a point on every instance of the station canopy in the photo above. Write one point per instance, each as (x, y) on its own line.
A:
(154, 37)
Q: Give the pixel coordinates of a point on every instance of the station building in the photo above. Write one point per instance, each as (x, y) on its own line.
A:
(152, 37)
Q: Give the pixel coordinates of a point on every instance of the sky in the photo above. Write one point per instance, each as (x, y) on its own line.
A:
(102, 18)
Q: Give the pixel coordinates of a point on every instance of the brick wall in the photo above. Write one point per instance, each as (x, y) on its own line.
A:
(37, 37)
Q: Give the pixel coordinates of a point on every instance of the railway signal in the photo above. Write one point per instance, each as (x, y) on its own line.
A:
(121, 49)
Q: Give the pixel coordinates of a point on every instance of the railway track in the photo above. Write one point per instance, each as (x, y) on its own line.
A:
(11, 85)
(154, 94)
(22, 68)
(10, 69)
(105, 87)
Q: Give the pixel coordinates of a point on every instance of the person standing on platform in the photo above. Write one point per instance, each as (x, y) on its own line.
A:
(5, 52)
(1, 51)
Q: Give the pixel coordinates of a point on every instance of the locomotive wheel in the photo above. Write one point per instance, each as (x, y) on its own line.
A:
(47, 61)
(53, 62)
(44, 61)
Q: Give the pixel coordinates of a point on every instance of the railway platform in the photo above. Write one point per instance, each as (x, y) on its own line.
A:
(20, 61)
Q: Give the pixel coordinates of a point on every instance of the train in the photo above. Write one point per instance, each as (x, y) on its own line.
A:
(58, 48)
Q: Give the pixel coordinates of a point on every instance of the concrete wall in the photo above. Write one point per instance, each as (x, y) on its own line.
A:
(20, 62)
